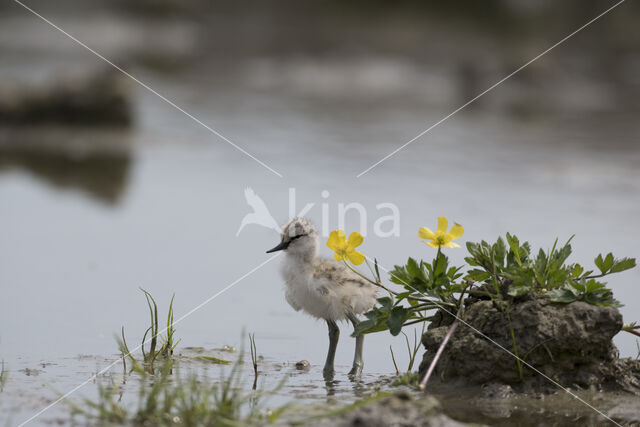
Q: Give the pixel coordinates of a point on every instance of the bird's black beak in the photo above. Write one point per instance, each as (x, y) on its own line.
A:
(282, 246)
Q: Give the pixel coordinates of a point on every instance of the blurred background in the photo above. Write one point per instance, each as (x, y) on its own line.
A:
(105, 187)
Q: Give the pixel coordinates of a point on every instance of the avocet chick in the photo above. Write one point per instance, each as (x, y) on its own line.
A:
(322, 287)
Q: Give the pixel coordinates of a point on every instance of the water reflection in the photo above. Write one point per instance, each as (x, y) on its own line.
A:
(331, 385)
(103, 175)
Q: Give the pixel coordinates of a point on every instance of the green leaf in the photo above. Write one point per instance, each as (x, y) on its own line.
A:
(516, 291)
(400, 276)
(370, 326)
(413, 269)
(561, 256)
(478, 275)
(454, 273)
(514, 246)
(622, 265)
(386, 303)
(540, 267)
(402, 295)
(396, 319)
(599, 262)
(499, 251)
(593, 286)
(376, 322)
(472, 262)
(473, 249)
(576, 270)
(562, 295)
(608, 261)
(440, 265)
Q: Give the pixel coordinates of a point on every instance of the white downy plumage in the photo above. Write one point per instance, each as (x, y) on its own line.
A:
(322, 287)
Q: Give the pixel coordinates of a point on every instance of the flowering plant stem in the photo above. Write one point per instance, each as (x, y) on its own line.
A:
(378, 284)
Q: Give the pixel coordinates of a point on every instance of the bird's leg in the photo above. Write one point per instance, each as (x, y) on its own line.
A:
(334, 335)
(358, 363)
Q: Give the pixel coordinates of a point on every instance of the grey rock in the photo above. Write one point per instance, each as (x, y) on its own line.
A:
(569, 343)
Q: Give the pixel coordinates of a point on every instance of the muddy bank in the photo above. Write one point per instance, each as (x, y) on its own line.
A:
(569, 343)
(493, 405)
(500, 406)
(400, 409)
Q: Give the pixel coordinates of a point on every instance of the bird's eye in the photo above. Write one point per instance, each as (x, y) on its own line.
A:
(298, 236)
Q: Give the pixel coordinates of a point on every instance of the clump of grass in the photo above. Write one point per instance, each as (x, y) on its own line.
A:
(408, 379)
(167, 345)
(167, 399)
(342, 410)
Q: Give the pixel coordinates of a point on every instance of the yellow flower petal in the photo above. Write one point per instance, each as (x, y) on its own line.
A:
(337, 257)
(355, 240)
(336, 240)
(456, 231)
(442, 224)
(432, 244)
(356, 257)
(425, 233)
(451, 245)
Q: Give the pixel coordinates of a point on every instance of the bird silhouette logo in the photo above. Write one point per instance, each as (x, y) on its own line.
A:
(260, 215)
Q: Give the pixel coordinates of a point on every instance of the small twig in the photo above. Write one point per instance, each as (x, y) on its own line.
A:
(524, 356)
(423, 383)
(395, 365)
(632, 328)
(632, 331)
(548, 352)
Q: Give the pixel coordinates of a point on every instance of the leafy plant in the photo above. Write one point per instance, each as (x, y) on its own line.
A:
(419, 280)
(546, 273)
(509, 270)
(589, 291)
(503, 272)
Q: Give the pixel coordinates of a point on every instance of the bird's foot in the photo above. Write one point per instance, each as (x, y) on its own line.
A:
(356, 371)
(328, 373)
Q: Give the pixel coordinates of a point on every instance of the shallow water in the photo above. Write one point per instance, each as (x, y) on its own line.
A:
(99, 214)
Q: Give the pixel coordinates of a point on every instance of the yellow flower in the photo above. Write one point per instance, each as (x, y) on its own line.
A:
(441, 237)
(346, 249)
